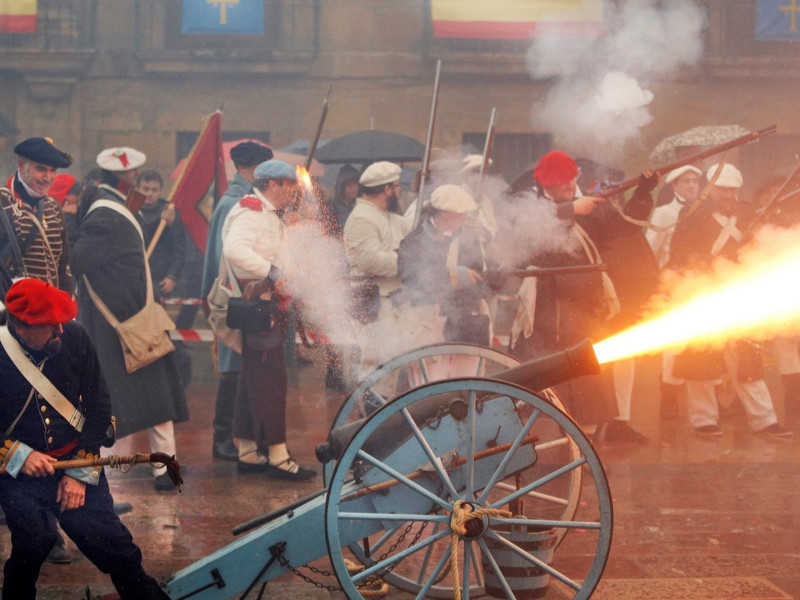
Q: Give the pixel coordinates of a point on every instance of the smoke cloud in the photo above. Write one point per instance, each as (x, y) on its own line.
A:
(596, 103)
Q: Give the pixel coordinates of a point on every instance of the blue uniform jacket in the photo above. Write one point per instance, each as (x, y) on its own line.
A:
(75, 371)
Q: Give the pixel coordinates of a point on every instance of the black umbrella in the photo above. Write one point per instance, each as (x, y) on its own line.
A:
(369, 146)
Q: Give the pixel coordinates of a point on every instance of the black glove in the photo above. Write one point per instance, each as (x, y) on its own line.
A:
(648, 182)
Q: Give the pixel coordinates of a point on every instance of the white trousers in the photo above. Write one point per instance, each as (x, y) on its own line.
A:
(754, 395)
(624, 374)
(786, 354)
(160, 438)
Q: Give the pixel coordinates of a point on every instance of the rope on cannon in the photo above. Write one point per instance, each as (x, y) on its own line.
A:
(463, 512)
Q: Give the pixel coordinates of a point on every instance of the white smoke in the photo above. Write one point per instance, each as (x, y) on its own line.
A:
(316, 275)
(596, 103)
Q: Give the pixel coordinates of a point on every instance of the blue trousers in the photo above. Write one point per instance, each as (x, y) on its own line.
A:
(96, 530)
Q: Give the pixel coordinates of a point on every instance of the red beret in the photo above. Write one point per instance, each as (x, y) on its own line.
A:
(555, 168)
(36, 302)
(61, 186)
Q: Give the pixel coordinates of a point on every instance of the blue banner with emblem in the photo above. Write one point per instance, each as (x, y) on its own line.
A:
(778, 20)
(211, 17)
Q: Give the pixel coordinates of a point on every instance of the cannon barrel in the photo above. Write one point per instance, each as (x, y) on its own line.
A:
(535, 375)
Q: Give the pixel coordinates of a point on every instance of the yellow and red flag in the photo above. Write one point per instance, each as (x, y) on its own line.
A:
(201, 182)
(18, 16)
(516, 19)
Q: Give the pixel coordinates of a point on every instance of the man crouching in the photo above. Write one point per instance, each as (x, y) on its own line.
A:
(47, 421)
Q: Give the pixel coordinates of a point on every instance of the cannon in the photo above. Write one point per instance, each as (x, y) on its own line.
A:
(459, 485)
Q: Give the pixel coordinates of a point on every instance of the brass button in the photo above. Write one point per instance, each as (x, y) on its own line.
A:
(95, 474)
(50, 440)
(39, 396)
(47, 421)
(44, 408)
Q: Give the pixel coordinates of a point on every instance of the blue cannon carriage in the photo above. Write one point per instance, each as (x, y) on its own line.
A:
(460, 485)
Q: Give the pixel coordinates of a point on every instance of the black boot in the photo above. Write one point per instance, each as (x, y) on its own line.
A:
(669, 400)
(224, 448)
(133, 583)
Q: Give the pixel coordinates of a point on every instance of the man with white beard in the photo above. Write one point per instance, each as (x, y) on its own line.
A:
(685, 184)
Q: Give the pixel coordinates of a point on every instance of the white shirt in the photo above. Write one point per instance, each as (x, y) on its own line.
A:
(251, 239)
(664, 217)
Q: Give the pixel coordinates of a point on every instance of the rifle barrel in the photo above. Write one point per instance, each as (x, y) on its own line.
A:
(618, 188)
(544, 271)
(426, 157)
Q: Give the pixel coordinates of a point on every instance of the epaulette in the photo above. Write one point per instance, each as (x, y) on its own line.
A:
(252, 203)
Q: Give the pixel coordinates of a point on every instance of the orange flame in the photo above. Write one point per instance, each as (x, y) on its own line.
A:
(304, 177)
(756, 298)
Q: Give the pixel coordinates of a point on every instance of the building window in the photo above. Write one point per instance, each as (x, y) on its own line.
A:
(513, 153)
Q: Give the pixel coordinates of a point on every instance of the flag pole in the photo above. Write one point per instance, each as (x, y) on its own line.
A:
(163, 223)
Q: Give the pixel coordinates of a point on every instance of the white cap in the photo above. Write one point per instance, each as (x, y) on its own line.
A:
(453, 198)
(380, 173)
(473, 161)
(675, 173)
(120, 159)
(729, 176)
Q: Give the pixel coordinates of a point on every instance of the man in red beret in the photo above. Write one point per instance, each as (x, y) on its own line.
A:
(33, 238)
(565, 309)
(42, 429)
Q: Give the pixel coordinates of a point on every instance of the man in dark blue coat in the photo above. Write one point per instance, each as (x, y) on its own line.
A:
(40, 329)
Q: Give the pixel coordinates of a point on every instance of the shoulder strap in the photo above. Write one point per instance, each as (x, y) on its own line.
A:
(149, 299)
(40, 383)
(225, 269)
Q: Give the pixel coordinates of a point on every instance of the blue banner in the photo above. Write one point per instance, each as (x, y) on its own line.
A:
(238, 17)
(778, 20)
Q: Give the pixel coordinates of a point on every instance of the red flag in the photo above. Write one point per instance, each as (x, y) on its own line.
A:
(202, 181)
(18, 16)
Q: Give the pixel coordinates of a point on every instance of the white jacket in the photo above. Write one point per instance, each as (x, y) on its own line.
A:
(371, 239)
(251, 238)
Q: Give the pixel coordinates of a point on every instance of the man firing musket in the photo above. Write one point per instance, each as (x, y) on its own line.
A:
(59, 412)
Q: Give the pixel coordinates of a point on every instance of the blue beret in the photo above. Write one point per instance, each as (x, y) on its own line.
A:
(43, 151)
(275, 169)
(248, 154)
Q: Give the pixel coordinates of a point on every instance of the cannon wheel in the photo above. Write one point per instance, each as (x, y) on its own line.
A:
(572, 580)
(489, 359)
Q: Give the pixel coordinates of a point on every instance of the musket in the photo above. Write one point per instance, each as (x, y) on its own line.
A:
(312, 149)
(620, 187)
(545, 271)
(426, 157)
(776, 199)
(487, 150)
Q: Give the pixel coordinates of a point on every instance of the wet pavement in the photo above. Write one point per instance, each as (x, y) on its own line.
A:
(693, 518)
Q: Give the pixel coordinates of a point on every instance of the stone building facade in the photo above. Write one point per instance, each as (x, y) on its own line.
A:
(120, 72)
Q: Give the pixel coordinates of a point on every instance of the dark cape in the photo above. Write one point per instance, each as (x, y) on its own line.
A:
(108, 250)
(690, 248)
(570, 308)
